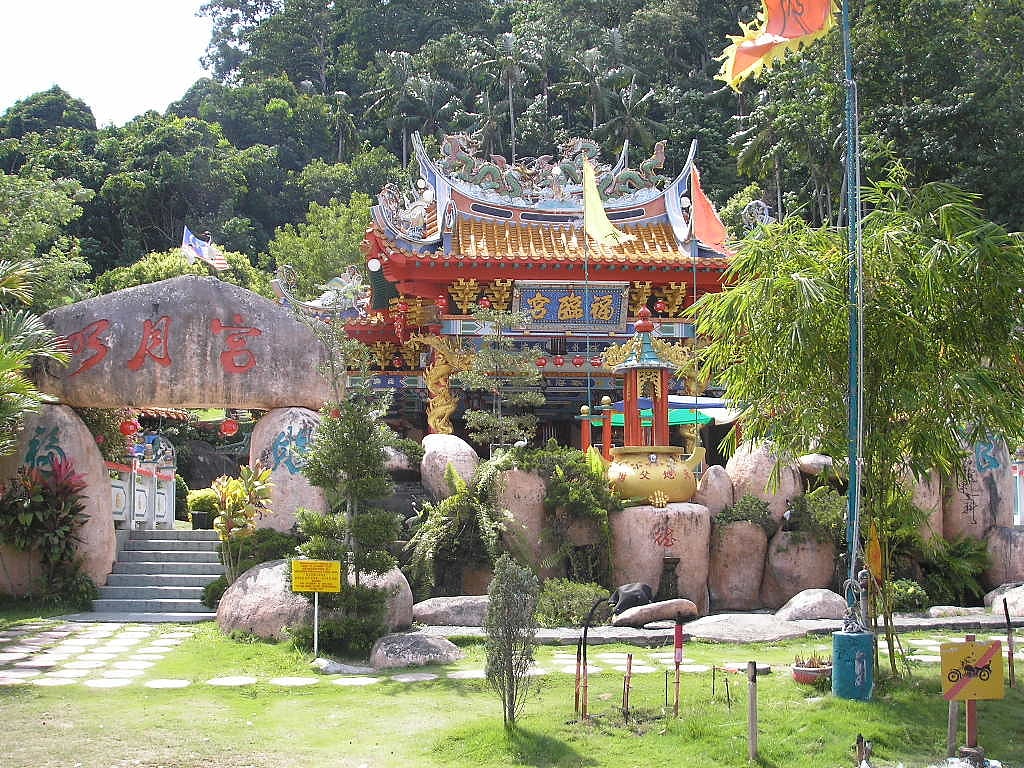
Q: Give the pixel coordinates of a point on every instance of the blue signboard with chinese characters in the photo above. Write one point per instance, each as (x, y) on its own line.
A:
(578, 307)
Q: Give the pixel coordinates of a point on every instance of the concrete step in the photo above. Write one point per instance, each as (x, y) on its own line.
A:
(170, 545)
(153, 567)
(191, 617)
(151, 593)
(142, 579)
(170, 556)
(148, 606)
(181, 535)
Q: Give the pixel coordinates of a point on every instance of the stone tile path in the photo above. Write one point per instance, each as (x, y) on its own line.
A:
(103, 656)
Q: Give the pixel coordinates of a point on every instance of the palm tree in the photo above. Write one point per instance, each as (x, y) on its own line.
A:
(512, 61)
(592, 81)
(22, 337)
(632, 123)
(398, 71)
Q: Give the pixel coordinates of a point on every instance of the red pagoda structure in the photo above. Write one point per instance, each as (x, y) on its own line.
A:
(480, 231)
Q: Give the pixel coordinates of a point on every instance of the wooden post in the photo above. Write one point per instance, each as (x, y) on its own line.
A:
(752, 710)
(951, 728)
(678, 658)
(971, 739)
(1009, 643)
(606, 434)
(626, 685)
(576, 702)
(585, 438)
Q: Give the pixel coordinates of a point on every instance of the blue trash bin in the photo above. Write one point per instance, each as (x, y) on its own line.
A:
(853, 665)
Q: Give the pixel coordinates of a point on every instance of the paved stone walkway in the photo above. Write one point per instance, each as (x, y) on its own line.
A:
(114, 655)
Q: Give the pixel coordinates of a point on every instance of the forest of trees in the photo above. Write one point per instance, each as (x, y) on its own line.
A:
(312, 104)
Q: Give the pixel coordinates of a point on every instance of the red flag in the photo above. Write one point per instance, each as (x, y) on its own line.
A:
(782, 25)
(707, 227)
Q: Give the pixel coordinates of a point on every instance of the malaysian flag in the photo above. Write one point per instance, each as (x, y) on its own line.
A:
(193, 248)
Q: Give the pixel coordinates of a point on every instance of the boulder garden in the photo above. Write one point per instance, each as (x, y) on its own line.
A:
(413, 650)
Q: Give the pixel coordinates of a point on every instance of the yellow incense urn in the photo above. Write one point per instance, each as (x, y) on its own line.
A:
(658, 474)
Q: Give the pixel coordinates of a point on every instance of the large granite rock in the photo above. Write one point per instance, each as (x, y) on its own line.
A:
(663, 610)
(813, 604)
(743, 628)
(751, 469)
(461, 611)
(260, 602)
(522, 494)
(1006, 548)
(796, 561)
(438, 452)
(737, 566)
(185, 342)
(413, 650)
(715, 491)
(278, 443)
(983, 494)
(993, 598)
(1014, 599)
(57, 432)
(814, 464)
(643, 536)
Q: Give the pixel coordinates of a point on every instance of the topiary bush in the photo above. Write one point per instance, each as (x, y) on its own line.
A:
(565, 603)
(907, 596)
(749, 509)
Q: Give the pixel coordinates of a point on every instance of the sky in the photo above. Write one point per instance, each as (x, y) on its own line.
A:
(121, 57)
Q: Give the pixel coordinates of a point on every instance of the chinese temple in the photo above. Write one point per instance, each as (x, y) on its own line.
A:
(479, 231)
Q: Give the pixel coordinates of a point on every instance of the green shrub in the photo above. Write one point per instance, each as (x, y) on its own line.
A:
(565, 603)
(907, 596)
(412, 450)
(203, 500)
(821, 513)
(749, 509)
(350, 622)
(180, 498)
(213, 591)
(951, 569)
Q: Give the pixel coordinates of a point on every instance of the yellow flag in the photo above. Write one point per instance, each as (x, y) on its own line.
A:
(595, 220)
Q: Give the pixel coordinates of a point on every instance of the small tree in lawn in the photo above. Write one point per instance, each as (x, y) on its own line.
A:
(511, 627)
(241, 501)
(508, 374)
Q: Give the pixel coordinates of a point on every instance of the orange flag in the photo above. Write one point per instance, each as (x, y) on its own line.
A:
(782, 25)
(707, 227)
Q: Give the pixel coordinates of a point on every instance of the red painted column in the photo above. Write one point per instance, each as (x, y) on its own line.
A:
(661, 410)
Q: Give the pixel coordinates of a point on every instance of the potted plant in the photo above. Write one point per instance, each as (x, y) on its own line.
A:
(808, 669)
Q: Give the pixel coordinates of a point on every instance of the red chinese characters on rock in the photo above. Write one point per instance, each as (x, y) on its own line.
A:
(154, 344)
(236, 358)
(88, 340)
(663, 535)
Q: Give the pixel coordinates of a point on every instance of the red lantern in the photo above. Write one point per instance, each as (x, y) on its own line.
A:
(129, 427)
(484, 303)
(541, 362)
(558, 360)
(660, 306)
(229, 427)
(441, 302)
(579, 360)
(595, 362)
(397, 362)
(335, 413)
(402, 308)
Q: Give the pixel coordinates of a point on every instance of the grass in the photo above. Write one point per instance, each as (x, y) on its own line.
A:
(458, 722)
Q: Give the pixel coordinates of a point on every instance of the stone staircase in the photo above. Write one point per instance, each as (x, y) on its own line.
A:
(162, 573)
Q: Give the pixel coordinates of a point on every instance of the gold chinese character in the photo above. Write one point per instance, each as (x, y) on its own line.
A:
(601, 307)
(538, 306)
(570, 307)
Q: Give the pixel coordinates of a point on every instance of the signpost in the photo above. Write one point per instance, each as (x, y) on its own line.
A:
(316, 576)
(971, 671)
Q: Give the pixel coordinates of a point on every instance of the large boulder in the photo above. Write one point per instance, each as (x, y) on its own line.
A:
(461, 611)
(1014, 602)
(743, 628)
(813, 604)
(814, 464)
(994, 598)
(751, 469)
(1006, 548)
(927, 495)
(413, 650)
(438, 452)
(185, 342)
(278, 443)
(522, 494)
(645, 535)
(663, 610)
(796, 561)
(715, 491)
(56, 431)
(260, 602)
(737, 566)
(982, 495)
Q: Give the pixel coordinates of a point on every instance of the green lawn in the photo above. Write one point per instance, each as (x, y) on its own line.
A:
(450, 722)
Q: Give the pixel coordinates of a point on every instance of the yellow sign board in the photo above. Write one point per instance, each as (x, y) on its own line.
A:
(316, 576)
(971, 671)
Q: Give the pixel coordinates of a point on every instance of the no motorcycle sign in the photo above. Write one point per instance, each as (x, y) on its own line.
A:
(971, 670)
